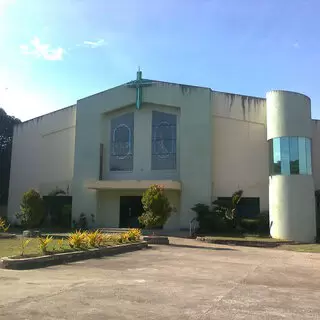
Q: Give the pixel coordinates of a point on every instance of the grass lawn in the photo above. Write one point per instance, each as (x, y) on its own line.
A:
(12, 247)
(309, 247)
(248, 237)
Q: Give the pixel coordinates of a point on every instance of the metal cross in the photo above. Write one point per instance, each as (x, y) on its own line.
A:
(138, 85)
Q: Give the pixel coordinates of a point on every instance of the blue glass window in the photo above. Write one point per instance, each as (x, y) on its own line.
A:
(290, 155)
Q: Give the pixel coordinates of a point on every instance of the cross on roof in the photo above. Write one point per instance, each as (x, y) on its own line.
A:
(138, 84)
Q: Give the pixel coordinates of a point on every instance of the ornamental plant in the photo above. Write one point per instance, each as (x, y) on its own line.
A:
(3, 225)
(134, 234)
(157, 208)
(32, 209)
(44, 243)
(77, 240)
(23, 244)
(94, 239)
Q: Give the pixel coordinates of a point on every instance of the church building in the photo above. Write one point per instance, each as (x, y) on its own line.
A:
(198, 143)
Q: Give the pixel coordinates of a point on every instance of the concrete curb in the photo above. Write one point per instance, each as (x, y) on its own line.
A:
(156, 240)
(7, 235)
(245, 243)
(61, 258)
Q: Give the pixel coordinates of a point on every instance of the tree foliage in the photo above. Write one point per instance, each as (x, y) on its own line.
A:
(6, 133)
(156, 206)
(32, 209)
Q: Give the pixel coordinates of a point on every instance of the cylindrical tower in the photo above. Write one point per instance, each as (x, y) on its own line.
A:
(291, 186)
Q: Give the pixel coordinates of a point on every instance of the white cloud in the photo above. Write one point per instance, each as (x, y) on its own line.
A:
(296, 45)
(94, 44)
(41, 50)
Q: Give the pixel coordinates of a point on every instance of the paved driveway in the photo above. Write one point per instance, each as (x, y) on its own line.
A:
(187, 280)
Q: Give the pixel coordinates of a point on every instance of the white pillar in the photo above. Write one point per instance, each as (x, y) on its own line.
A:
(291, 193)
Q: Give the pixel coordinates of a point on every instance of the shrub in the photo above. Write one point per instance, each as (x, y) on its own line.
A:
(134, 234)
(250, 225)
(94, 239)
(31, 209)
(4, 226)
(263, 222)
(123, 237)
(157, 208)
(61, 244)
(43, 244)
(77, 240)
(23, 244)
(211, 219)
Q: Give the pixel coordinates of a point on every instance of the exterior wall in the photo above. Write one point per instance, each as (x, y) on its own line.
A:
(194, 134)
(292, 208)
(238, 107)
(291, 197)
(316, 152)
(42, 155)
(239, 146)
(288, 115)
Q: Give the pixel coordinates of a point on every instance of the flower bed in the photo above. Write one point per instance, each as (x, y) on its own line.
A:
(79, 245)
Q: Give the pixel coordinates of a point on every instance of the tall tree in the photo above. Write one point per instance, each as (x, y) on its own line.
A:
(6, 133)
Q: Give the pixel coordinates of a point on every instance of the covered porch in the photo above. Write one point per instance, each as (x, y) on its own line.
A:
(119, 202)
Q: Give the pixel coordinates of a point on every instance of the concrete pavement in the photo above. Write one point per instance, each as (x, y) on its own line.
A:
(186, 280)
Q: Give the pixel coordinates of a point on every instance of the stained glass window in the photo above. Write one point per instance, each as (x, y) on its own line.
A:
(164, 140)
(121, 153)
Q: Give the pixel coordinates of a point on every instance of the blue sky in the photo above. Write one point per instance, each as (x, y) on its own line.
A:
(54, 52)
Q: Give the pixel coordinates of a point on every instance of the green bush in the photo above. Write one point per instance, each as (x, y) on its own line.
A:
(156, 206)
(212, 219)
(259, 224)
(250, 225)
(32, 209)
(264, 224)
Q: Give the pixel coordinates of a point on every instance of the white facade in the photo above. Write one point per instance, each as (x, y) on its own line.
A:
(219, 144)
(291, 191)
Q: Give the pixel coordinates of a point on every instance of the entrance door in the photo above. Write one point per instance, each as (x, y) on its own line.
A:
(130, 209)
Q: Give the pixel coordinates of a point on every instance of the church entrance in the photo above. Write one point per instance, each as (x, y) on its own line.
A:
(130, 209)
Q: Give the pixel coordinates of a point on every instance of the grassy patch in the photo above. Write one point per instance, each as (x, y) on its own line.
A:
(12, 247)
(310, 247)
(257, 238)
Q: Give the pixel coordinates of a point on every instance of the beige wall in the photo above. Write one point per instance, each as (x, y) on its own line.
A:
(292, 208)
(316, 153)
(42, 155)
(238, 107)
(192, 104)
(291, 198)
(239, 147)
